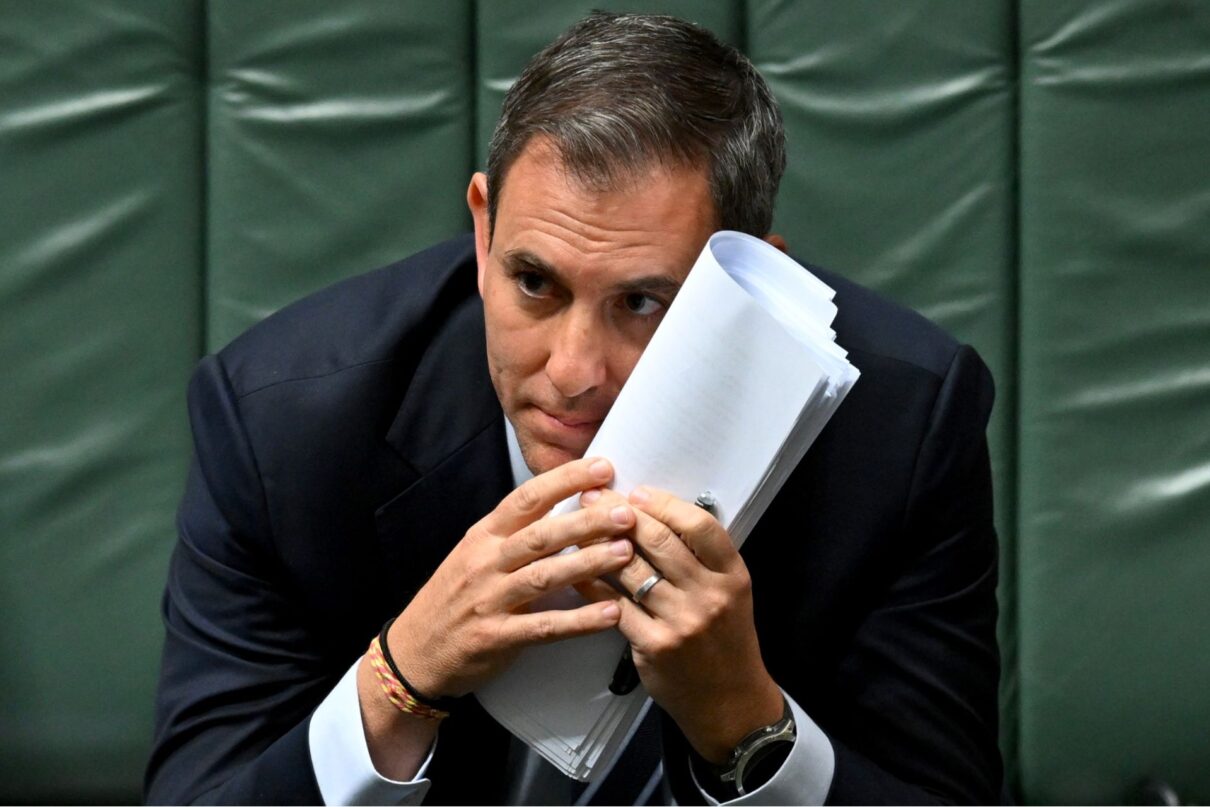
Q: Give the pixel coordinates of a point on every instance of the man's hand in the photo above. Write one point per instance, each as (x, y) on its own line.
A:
(693, 637)
(472, 617)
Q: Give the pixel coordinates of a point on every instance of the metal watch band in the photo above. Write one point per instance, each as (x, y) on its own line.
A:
(755, 747)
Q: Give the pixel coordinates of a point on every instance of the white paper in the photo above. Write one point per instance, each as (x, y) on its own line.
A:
(737, 382)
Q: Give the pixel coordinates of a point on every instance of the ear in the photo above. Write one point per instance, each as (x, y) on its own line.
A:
(476, 200)
(778, 241)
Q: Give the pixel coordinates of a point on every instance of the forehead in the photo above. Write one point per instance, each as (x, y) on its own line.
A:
(652, 219)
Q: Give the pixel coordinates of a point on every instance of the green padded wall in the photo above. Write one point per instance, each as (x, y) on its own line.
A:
(339, 140)
(901, 177)
(1032, 174)
(1115, 399)
(99, 305)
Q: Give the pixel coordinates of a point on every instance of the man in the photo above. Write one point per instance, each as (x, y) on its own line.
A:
(365, 455)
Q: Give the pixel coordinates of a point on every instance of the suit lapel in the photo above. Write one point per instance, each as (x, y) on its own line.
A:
(450, 430)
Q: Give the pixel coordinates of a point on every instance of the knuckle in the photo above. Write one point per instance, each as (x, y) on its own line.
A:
(538, 577)
(591, 521)
(484, 634)
(482, 609)
(536, 538)
(661, 540)
(694, 626)
(634, 568)
(527, 500)
(742, 582)
(662, 644)
(477, 567)
(588, 561)
(713, 607)
(543, 629)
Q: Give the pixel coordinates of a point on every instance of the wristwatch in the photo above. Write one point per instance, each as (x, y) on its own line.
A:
(776, 739)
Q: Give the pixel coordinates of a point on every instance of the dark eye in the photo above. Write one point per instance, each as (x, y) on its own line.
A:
(532, 284)
(642, 304)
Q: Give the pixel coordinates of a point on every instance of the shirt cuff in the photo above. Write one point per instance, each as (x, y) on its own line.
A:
(806, 775)
(341, 757)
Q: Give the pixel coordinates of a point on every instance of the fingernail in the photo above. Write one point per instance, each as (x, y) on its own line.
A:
(600, 469)
(611, 611)
(640, 495)
(620, 515)
(590, 496)
(620, 548)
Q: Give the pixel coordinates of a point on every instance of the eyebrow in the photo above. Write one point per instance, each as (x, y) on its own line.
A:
(522, 259)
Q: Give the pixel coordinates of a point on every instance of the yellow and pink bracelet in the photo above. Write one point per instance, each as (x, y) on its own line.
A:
(394, 689)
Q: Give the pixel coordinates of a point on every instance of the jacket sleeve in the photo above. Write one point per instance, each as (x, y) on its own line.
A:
(909, 700)
(922, 726)
(238, 682)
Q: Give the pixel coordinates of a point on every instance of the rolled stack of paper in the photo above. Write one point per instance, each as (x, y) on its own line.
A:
(739, 379)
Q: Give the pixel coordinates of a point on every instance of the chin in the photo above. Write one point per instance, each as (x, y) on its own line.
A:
(543, 457)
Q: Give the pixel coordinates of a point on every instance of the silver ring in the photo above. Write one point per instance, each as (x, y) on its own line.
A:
(646, 586)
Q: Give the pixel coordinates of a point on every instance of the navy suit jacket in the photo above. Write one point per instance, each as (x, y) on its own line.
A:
(344, 445)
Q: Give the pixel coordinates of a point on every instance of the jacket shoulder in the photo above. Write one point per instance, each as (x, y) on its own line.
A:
(358, 321)
(870, 324)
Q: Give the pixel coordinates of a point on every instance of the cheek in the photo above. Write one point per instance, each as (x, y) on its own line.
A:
(623, 357)
(514, 353)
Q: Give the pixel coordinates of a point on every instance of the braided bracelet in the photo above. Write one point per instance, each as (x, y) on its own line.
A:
(395, 691)
(439, 704)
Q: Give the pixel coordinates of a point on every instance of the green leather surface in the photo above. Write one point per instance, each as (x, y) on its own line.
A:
(1115, 407)
(902, 136)
(1032, 174)
(339, 140)
(99, 307)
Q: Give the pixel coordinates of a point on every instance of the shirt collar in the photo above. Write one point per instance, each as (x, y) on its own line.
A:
(521, 472)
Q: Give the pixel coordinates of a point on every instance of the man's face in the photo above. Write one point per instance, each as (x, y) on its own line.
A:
(574, 283)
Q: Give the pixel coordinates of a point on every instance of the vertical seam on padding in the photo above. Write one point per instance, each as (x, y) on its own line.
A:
(204, 183)
(741, 27)
(1013, 417)
(476, 86)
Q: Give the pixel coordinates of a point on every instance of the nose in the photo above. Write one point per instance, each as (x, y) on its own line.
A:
(577, 362)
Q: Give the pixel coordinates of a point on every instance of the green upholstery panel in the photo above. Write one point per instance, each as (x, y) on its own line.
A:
(1115, 399)
(901, 177)
(1032, 174)
(339, 140)
(99, 328)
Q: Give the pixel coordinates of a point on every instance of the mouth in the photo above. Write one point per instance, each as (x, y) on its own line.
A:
(554, 437)
(574, 423)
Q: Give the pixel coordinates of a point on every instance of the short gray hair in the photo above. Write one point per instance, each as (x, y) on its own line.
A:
(617, 94)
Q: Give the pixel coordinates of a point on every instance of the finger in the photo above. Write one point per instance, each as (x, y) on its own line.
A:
(551, 626)
(547, 536)
(596, 590)
(535, 497)
(659, 598)
(662, 598)
(561, 571)
(666, 551)
(699, 530)
(639, 627)
(663, 548)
